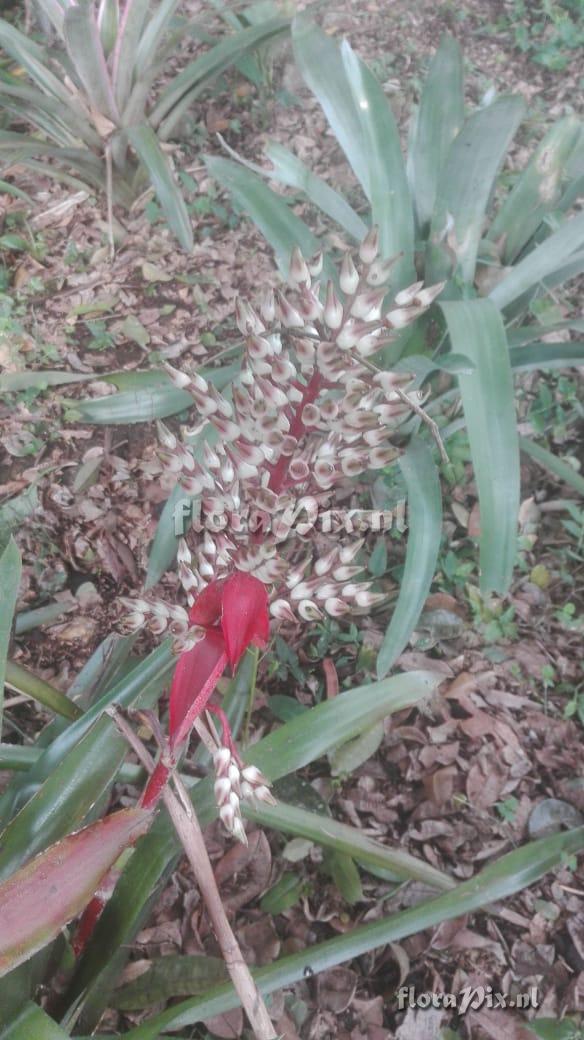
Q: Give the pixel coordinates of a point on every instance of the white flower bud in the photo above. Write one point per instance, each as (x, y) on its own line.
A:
(315, 265)
(298, 273)
(221, 761)
(405, 297)
(309, 611)
(282, 610)
(369, 247)
(349, 277)
(335, 607)
(222, 790)
(333, 308)
(348, 552)
(180, 379)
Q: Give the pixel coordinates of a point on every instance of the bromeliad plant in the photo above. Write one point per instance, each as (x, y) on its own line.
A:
(310, 413)
(94, 100)
(447, 216)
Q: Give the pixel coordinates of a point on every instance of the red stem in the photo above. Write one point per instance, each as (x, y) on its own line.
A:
(153, 791)
(311, 391)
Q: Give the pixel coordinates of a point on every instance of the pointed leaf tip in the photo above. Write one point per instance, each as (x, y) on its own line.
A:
(245, 618)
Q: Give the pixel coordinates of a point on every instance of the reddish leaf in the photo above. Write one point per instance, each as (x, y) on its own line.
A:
(196, 676)
(50, 890)
(245, 618)
(206, 609)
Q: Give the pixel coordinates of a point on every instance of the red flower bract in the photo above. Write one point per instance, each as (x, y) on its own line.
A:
(234, 612)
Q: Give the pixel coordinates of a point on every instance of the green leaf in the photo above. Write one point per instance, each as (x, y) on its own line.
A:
(320, 63)
(126, 48)
(555, 252)
(168, 977)
(84, 47)
(537, 191)
(554, 1028)
(31, 1023)
(436, 124)
(154, 31)
(288, 169)
(28, 684)
(283, 895)
(547, 355)
(348, 757)
(557, 467)
(10, 569)
(488, 399)
(196, 77)
(345, 876)
(145, 143)
(43, 896)
(33, 58)
(389, 193)
(425, 531)
(155, 398)
(325, 831)
(276, 221)
(501, 879)
(467, 180)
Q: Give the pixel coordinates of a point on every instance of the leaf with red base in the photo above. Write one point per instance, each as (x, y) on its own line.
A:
(50, 890)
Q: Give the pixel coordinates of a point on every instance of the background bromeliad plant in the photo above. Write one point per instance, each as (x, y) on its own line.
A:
(310, 414)
(95, 101)
(446, 215)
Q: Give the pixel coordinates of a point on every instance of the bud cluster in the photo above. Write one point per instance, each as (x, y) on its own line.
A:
(234, 783)
(308, 415)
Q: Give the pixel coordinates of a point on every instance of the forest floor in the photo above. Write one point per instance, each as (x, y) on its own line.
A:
(472, 777)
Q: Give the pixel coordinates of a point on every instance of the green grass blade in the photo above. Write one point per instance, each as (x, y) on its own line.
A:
(467, 180)
(488, 399)
(10, 570)
(424, 534)
(389, 193)
(536, 192)
(500, 880)
(86, 53)
(436, 123)
(151, 38)
(325, 831)
(554, 253)
(281, 228)
(145, 143)
(557, 467)
(320, 63)
(289, 170)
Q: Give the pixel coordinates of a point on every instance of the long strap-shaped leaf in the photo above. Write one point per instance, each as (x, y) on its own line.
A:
(34, 1022)
(86, 52)
(33, 58)
(319, 59)
(197, 76)
(389, 193)
(424, 534)
(436, 124)
(467, 181)
(476, 329)
(276, 221)
(537, 191)
(42, 897)
(290, 170)
(144, 141)
(554, 253)
(10, 568)
(126, 48)
(505, 877)
(557, 467)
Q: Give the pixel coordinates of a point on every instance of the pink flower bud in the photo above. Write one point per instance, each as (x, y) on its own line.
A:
(335, 607)
(405, 297)
(222, 790)
(268, 307)
(310, 415)
(282, 610)
(288, 314)
(180, 379)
